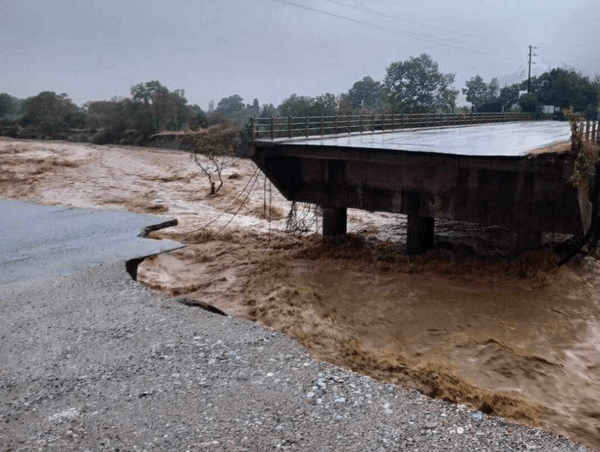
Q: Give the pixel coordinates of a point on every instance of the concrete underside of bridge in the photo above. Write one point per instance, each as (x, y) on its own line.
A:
(527, 194)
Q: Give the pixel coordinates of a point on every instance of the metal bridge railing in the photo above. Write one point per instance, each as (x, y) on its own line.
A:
(310, 126)
(587, 130)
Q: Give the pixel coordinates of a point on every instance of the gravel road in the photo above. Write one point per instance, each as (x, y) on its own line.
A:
(93, 361)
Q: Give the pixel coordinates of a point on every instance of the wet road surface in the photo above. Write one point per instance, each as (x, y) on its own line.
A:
(502, 139)
(39, 242)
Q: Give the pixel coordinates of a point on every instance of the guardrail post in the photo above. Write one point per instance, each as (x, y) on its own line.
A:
(373, 122)
(335, 125)
(290, 126)
(322, 125)
(252, 128)
(393, 122)
(383, 122)
(306, 131)
(587, 130)
(349, 123)
(272, 128)
(360, 123)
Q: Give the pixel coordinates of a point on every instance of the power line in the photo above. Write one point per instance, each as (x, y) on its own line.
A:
(445, 42)
(422, 24)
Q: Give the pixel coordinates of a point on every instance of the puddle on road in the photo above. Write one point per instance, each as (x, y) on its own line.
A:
(523, 348)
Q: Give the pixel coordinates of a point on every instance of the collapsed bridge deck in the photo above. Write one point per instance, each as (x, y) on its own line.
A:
(483, 174)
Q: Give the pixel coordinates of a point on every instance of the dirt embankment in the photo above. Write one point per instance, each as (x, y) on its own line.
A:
(519, 340)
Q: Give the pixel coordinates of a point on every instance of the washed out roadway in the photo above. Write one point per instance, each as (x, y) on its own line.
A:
(38, 242)
(91, 361)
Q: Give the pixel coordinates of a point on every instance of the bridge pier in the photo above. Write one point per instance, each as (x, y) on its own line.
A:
(419, 235)
(334, 221)
(524, 240)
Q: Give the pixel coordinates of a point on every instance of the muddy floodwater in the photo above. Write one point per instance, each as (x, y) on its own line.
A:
(521, 347)
(519, 340)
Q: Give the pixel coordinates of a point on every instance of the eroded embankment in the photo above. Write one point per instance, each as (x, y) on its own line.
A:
(518, 340)
(513, 340)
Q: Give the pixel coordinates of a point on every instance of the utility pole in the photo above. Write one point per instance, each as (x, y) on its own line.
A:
(529, 76)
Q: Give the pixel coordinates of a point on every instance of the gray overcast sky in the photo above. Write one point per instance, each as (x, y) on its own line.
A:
(269, 49)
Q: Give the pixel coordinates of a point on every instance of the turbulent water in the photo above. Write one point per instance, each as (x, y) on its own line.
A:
(518, 340)
(523, 348)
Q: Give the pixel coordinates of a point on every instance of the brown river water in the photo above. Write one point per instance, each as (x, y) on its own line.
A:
(518, 340)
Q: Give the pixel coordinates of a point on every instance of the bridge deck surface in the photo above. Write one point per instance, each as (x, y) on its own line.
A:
(502, 139)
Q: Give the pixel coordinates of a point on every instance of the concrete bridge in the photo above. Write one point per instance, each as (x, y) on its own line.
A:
(479, 173)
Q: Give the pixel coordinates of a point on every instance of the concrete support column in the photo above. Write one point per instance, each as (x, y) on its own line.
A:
(334, 221)
(523, 241)
(419, 235)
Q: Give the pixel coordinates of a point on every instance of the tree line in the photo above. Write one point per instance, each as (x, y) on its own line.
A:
(416, 85)
(560, 87)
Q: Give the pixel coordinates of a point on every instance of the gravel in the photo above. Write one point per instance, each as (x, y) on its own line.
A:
(94, 362)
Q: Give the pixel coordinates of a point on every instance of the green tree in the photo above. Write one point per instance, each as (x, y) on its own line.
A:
(365, 93)
(323, 105)
(231, 106)
(494, 88)
(180, 114)
(53, 114)
(296, 106)
(565, 87)
(477, 92)
(509, 96)
(484, 97)
(104, 113)
(343, 104)
(267, 111)
(529, 103)
(417, 85)
(197, 117)
(253, 109)
(9, 105)
(153, 108)
(113, 117)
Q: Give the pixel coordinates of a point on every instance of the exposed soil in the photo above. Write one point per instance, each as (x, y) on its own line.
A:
(517, 339)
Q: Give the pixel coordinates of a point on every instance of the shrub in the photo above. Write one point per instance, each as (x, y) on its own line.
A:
(217, 144)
